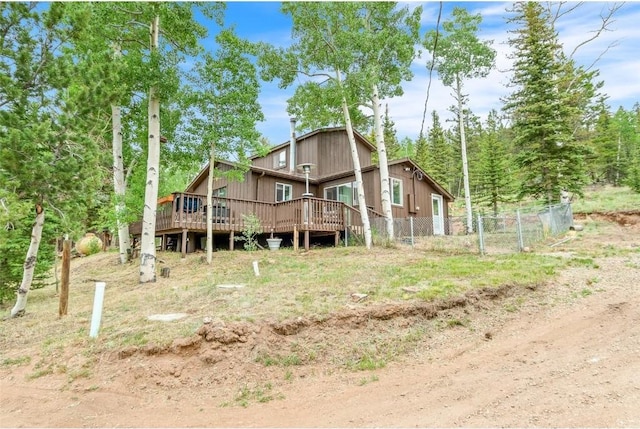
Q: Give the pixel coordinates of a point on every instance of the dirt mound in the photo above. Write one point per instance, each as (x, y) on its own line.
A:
(627, 218)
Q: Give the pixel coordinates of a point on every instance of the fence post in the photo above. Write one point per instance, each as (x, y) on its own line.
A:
(411, 229)
(519, 231)
(480, 234)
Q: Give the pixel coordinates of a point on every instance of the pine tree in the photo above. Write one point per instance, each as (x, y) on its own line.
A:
(633, 173)
(51, 109)
(542, 113)
(605, 142)
(493, 178)
(421, 156)
(439, 154)
(394, 150)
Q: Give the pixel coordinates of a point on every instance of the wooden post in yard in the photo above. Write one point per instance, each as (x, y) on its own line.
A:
(296, 244)
(337, 241)
(306, 239)
(183, 244)
(64, 277)
(231, 240)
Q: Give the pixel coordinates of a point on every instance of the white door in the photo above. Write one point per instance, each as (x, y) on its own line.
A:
(438, 216)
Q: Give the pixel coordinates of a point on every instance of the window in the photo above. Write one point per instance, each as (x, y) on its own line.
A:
(280, 161)
(396, 191)
(220, 193)
(347, 193)
(284, 192)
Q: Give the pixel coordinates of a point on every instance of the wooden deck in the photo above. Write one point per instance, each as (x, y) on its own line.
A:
(183, 213)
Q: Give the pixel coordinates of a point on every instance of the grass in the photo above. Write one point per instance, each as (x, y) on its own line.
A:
(260, 393)
(19, 361)
(318, 282)
(605, 199)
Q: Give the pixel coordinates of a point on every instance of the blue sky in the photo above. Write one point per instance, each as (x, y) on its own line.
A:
(619, 66)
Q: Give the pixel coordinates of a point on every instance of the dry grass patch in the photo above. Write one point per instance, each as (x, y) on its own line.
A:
(312, 284)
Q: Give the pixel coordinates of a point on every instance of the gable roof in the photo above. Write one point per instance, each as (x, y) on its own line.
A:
(425, 175)
(286, 144)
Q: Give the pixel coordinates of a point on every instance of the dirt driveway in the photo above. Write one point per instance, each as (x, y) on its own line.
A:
(566, 354)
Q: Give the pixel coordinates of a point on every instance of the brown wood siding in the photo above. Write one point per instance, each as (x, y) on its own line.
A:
(334, 153)
(372, 189)
(235, 189)
(307, 152)
(266, 186)
(421, 191)
(270, 160)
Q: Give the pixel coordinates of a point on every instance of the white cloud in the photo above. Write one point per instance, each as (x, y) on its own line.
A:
(619, 67)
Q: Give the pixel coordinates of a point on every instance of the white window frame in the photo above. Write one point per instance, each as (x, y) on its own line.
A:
(281, 160)
(354, 192)
(284, 187)
(393, 180)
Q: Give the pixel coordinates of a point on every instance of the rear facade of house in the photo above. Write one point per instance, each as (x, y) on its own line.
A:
(319, 205)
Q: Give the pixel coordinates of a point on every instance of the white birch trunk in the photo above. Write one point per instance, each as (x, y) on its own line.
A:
(385, 191)
(29, 264)
(465, 166)
(362, 204)
(148, 239)
(210, 205)
(119, 184)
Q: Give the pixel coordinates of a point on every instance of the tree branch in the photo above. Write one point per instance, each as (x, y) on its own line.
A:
(604, 26)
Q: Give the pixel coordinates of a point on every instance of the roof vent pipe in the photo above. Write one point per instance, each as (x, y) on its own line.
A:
(292, 147)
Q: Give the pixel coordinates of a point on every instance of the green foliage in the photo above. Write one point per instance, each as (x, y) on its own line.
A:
(544, 108)
(49, 153)
(252, 229)
(94, 247)
(363, 44)
(459, 54)
(22, 360)
(394, 149)
(493, 169)
(439, 157)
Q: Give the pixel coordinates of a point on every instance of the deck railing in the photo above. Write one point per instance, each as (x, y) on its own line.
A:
(189, 211)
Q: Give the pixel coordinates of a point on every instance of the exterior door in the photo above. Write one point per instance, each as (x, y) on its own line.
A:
(438, 215)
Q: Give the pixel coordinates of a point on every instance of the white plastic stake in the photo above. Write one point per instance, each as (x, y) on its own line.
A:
(256, 270)
(97, 309)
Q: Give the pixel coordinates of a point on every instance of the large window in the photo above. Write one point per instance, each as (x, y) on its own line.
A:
(396, 191)
(220, 193)
(284, 192)
(347, 193)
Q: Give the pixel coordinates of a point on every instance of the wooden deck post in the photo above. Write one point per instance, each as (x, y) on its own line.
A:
(306, 239)
(296, 238)
(183, 243)
(337, 242)
(231, 240)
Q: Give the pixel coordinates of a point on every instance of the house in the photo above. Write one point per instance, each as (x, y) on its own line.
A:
(305, 186)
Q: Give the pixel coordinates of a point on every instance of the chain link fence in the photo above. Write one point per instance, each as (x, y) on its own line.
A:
(503, 233)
